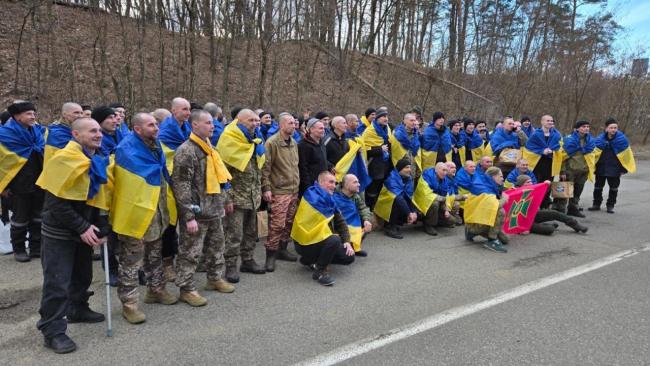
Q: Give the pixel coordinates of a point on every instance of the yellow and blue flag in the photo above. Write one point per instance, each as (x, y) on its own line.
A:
(74, 174)
(237, 147)
(571, 145)
(621, 147)
(58, 136)
(348, 210)
(511, 179)
(401, 146)
(434, 141)
(394, 186)
(499, 140)
(315, 211)
(429, 187)
(353, 162)
(474, 142)
(363, 125)
(375, 136)
(138, 177)
(537, 142)
(171, 136)
(482, 205)
(17, 144)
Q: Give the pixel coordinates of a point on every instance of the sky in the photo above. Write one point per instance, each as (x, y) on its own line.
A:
(634, 17)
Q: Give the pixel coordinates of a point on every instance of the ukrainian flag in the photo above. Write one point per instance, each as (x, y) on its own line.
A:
(401, 145)
(58, 136)
(482, 205)
(237, 147)
(17, 144)
(353, 163)
(621, 147)
(73, 174)
(473, 142)
(500, 140)
(536, 144)
(375, 136)
(171, 136)
(315, 211)
(431, 142)
(348, 209)
(138, 178)
(393, 187)
(425, 193)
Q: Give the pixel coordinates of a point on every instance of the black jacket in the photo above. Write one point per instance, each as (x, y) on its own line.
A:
(608, 165)
(336, 147)
(25, 179)
(312, 161)
(67, 219)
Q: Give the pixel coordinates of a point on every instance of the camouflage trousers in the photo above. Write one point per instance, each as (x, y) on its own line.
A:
(133, 254)
(241, 234)
(207, 242)
(490, 232)
(283, 209)
(436, 215)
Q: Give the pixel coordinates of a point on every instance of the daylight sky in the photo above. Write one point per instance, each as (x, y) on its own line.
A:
(634, 16)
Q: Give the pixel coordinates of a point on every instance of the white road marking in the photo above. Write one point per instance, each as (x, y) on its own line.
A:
(366, 345)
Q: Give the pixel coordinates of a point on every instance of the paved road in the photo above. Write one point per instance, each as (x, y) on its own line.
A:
(283, 318)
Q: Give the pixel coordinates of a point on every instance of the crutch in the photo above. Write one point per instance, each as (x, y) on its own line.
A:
(109, 325)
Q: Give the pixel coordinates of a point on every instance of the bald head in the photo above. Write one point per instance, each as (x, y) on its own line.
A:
(160, 114)
(451, 169)
(248, 119)
(87, 132)
(470, 166)
(71, 111)
(145, 126)
(180, 109)
(339, 124)
(327, 181)
(486, 162)
(441, 170)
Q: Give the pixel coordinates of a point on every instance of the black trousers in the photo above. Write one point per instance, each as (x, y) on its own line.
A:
(599, 186)
(330, 250)
(67, 273)
(170, 242)
(26, 218)
(400, 211)
(544, 171)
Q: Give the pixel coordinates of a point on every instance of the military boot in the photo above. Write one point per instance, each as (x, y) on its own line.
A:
(271, 255)
(219, 285)
(132, 314)
(160, 296)
(284, 254)
(430, 230)
(18, 237)
(193, 298)
(503, 238)
(251, 266)
(168, 269)
(232, 274)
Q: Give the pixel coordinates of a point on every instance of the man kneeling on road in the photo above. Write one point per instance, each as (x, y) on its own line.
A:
(316, 243)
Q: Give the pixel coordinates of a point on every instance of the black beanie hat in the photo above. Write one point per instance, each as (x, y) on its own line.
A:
(580, 123)
(99, 114)
(453, 122)
(437, 116)
(381, 114)
(321, 115)
(524, 118)
(116, 105)
(610, 121)
(195, 105)
(4, 117)
(235, 111)
(468, 121)
(86, 107)
(264, 113)
(20, 107)
(369, 111)
(401, 164)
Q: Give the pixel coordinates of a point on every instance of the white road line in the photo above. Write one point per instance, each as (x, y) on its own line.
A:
(366, 345)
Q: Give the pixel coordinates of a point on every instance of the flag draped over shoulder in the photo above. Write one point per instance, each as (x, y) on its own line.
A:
(171, 136)
(363, 125)
(431, 142)
(138, 177)
(512, 177)
(393, 186)
(474, 142)
(537, 142)
(429, 187)
(571, 145)
(73, 174)
(353, 162)
(482, 205)
(236, 146)
(216, 172)
(375, 136)
(500, 140)
(348, 209)
(522, 206)
(109, 144)
(58, 136)
(122, 130)
(218, 130)
(315, 211)
(401, 145)
(17, 144)
(463, 179)
(621, 147)
(528, 130)
(269, 130)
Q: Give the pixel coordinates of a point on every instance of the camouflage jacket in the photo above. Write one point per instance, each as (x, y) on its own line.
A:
(362, 209)
(188, 181)
(246, 192)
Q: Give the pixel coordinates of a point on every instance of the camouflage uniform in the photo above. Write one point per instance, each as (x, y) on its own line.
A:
(189, 185)
(132, 253)
(241, 225)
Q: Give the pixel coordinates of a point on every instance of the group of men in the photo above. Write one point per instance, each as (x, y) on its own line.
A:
(182, 188)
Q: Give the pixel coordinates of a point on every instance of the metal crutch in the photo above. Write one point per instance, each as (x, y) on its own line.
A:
(109, 325)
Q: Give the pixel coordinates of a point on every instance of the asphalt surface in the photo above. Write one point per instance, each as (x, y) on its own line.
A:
(284, 317)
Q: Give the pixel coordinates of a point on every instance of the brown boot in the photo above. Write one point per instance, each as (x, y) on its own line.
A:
(132, 314)
(193, 298)
(168, 269)
(161, 296)
(219, 285)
